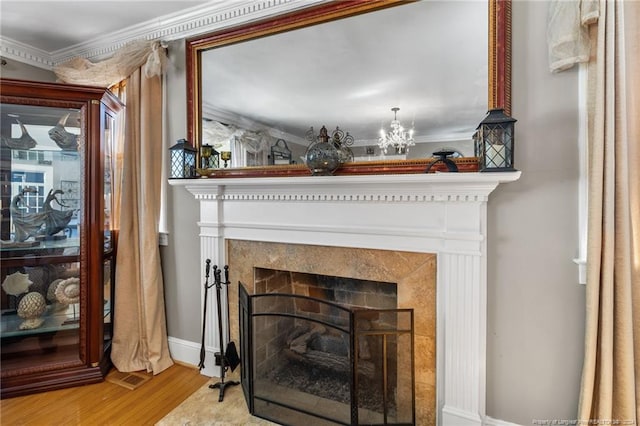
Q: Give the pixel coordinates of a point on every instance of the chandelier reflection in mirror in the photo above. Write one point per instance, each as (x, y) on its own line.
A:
(398, 137)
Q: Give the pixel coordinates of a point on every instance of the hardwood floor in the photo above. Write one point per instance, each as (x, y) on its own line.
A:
(105, 403)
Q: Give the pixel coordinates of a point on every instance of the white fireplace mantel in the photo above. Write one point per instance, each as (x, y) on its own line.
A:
(437, 184)
(442, 213)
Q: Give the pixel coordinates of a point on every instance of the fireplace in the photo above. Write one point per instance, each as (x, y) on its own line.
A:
(442, 216)
(384, 279)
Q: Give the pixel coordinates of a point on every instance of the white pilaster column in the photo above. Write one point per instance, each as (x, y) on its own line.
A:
(460, 285)
(212, 247)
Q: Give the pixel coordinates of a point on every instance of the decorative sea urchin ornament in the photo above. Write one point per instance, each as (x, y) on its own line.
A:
(30, 308)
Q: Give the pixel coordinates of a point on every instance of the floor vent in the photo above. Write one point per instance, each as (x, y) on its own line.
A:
(128, 380)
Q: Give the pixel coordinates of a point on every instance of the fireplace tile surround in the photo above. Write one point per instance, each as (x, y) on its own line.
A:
(440, 217)
(414, 274)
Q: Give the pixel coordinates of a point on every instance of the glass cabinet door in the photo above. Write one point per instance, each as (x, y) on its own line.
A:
(109, 135)
(42, 169)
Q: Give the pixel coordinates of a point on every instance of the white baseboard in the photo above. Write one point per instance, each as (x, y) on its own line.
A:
(184, 351)
(488, 421)
(188, 352)
(452, 416)
(456, 417)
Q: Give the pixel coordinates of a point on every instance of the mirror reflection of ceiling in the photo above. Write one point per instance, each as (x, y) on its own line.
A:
(428, 58)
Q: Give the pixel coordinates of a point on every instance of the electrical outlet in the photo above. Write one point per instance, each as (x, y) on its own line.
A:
(163, 239)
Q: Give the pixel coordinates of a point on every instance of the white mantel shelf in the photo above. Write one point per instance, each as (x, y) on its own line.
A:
(441, 213)
(434, 183)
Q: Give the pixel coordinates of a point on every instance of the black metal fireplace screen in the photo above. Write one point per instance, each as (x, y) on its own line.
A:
(310, 361)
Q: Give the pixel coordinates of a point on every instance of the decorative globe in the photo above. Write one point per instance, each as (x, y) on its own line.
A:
(322, 159)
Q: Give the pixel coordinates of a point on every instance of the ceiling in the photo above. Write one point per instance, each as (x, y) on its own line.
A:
(52, 26)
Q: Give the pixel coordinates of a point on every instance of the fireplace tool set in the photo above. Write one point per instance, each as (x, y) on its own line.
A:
(230, 357)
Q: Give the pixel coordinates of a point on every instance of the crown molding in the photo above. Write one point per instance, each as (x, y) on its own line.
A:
(212, 16)
(209, 111)
(21, 52)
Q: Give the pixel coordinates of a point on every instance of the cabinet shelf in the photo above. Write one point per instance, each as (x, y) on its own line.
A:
(60, 251)
(53, 322)
(67, 318)
(38, 261)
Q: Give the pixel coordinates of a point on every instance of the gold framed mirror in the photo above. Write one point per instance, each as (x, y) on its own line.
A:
(496, 63)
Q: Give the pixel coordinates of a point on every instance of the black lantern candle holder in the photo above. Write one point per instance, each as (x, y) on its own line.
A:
(209, 157)
(494, 141)
(183, 160)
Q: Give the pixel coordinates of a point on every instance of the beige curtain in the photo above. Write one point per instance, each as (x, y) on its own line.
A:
(610, 388)
(139, 337)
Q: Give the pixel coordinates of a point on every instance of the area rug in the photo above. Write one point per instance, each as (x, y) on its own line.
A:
(203, 409)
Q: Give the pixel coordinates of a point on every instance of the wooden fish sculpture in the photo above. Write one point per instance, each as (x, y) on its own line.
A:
(55, 220)
(67, 141)
(25, 141)
(26, 224)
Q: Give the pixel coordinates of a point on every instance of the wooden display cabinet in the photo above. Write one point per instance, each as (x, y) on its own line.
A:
(58, 248)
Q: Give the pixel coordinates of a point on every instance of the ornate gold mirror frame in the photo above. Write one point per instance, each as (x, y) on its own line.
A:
(499, 61)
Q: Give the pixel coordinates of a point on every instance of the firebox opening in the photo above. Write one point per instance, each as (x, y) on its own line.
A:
(327, 350)
(348, 292)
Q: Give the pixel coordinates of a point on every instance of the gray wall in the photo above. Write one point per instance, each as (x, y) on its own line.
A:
(181, 258)
(536, 307)
(19, 70)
